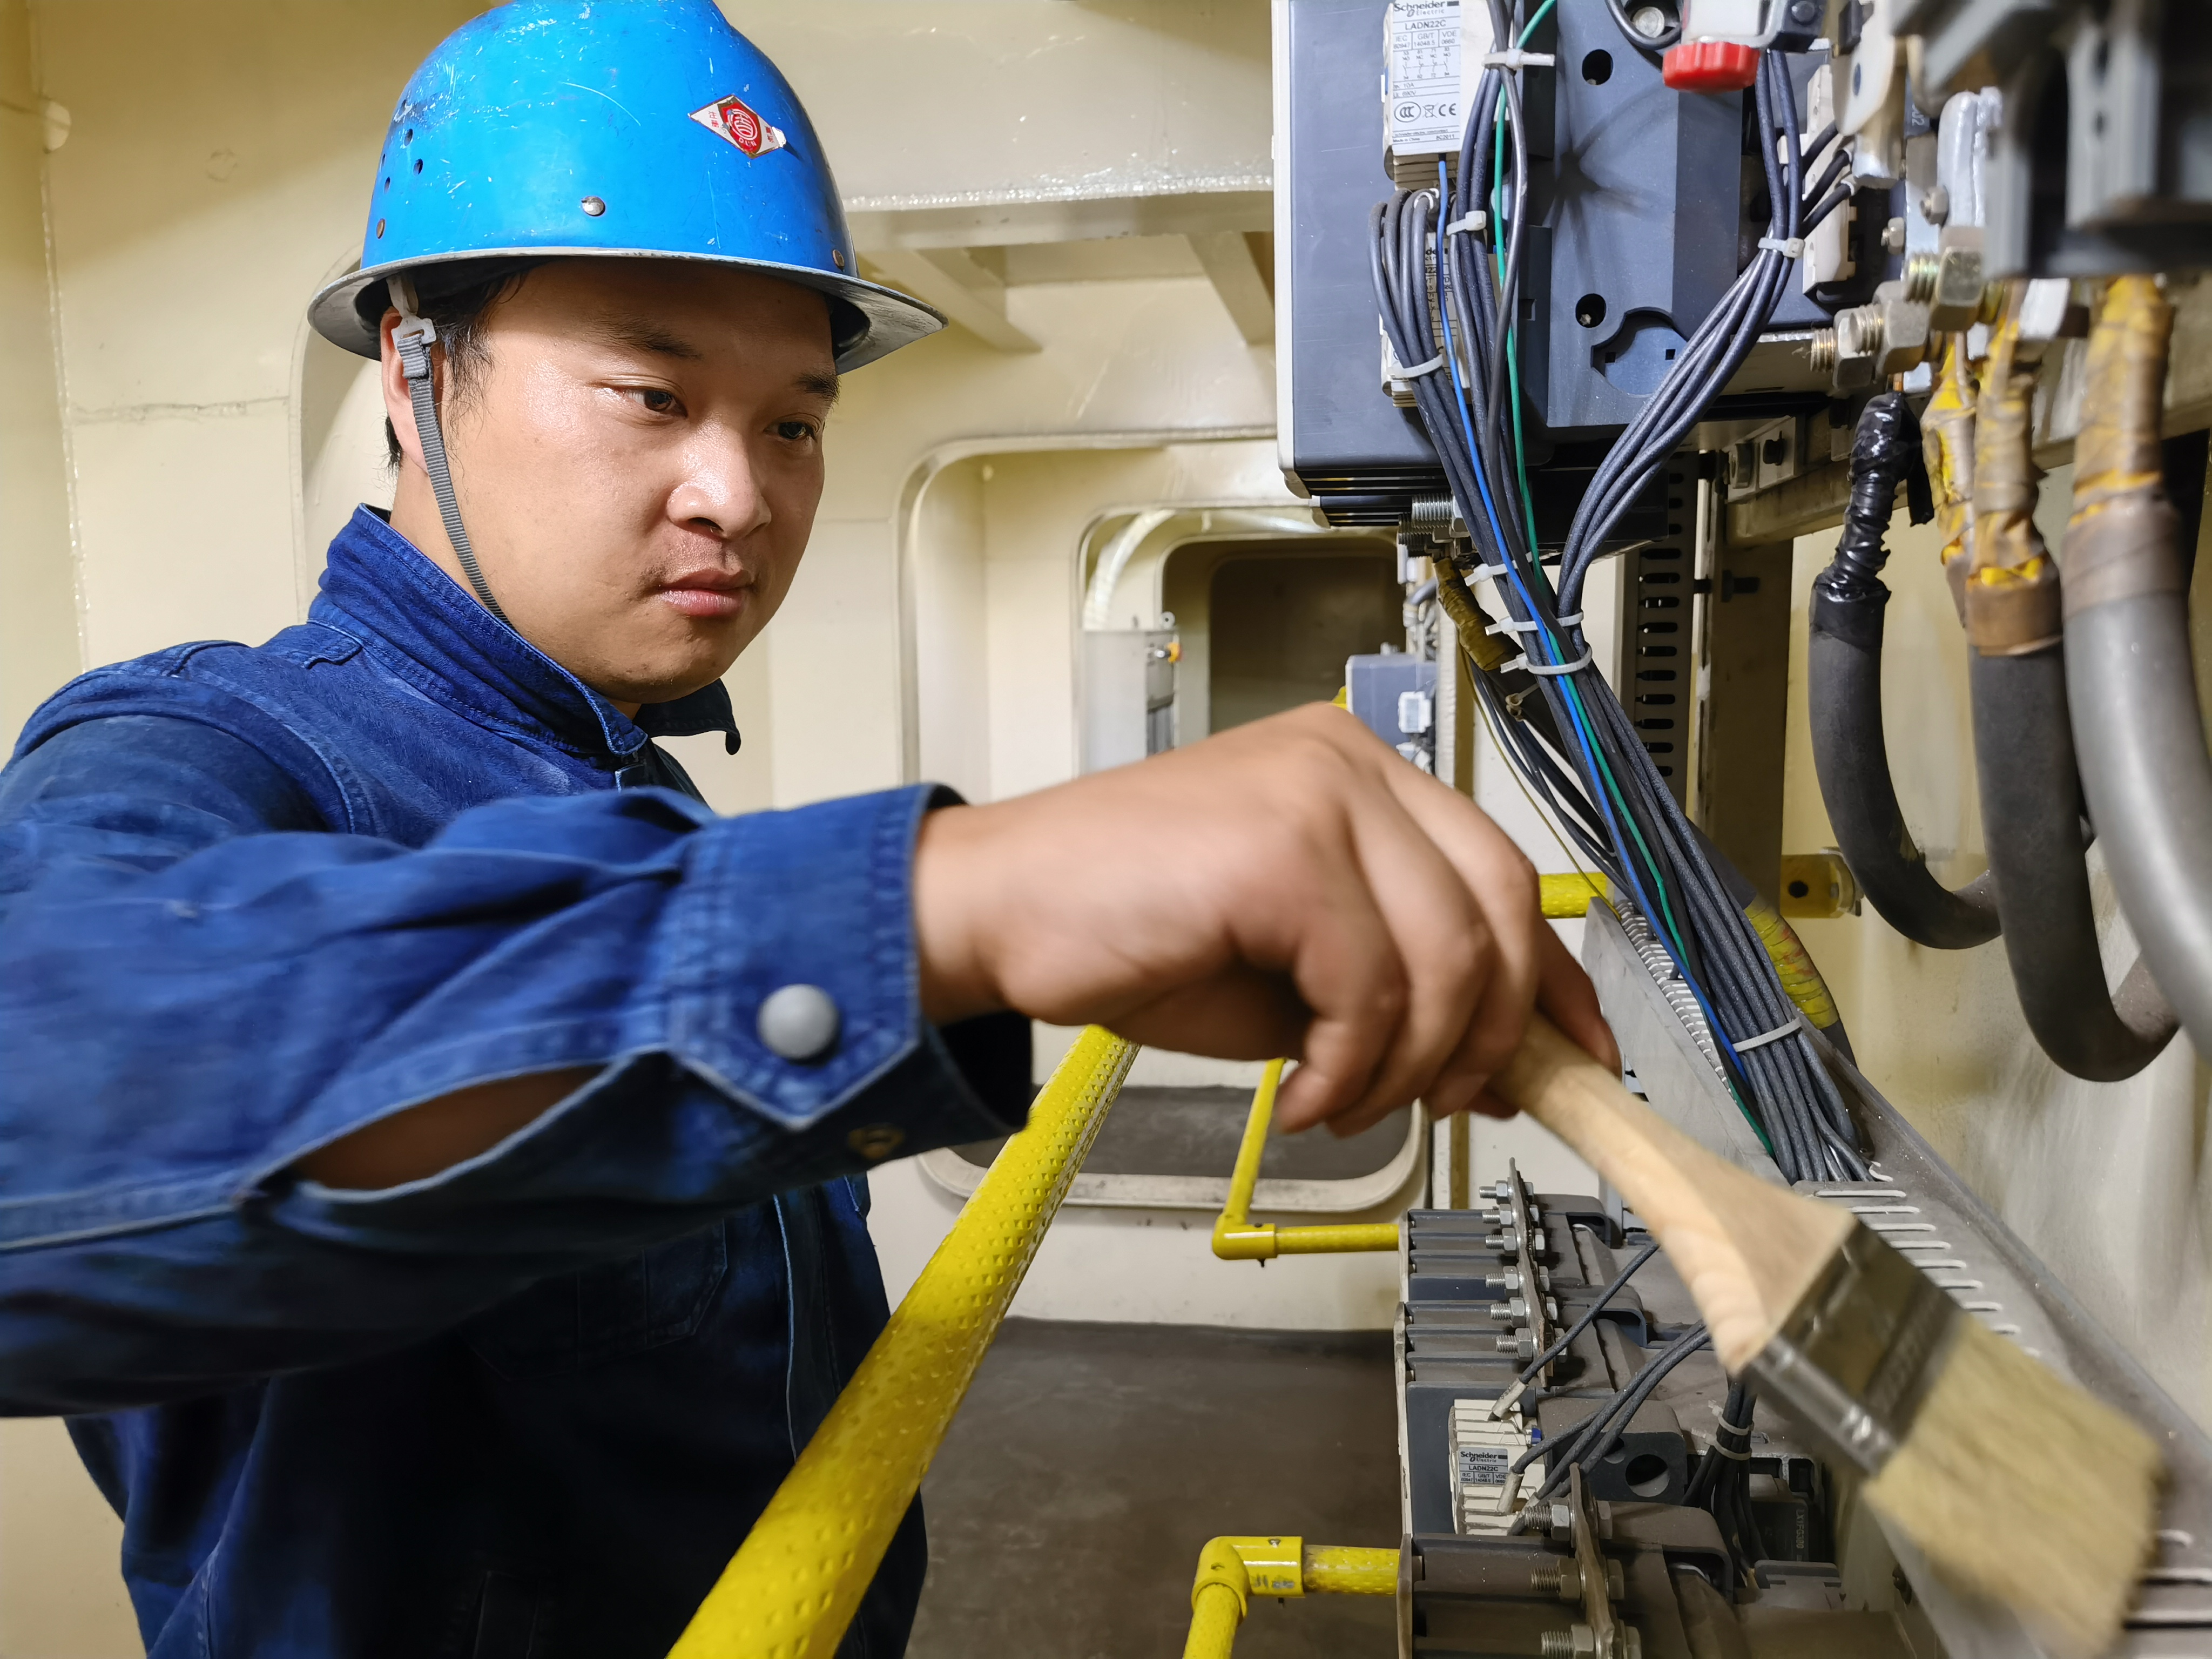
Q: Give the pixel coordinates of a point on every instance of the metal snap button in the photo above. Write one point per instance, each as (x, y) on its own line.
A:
(798, 1023)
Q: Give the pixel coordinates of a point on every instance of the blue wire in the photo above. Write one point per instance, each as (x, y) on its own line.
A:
(1551, 648)
(1444, 205)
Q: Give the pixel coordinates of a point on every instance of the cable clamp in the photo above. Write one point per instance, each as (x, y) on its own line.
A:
(1792, 248)
(1467, 224)
(1552, 671)
(1796, 1023)
(1515, 58)
(1420, 369)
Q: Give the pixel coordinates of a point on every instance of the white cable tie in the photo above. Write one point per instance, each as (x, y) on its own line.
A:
(1467, 223)
(1796, 1023)
(1497, 572)
(1509, 626)
(1572, 619)
(1740, 1456)
(1736, 1428)
(1515, 58)
(1419, 369)
(1552, 671)
(1793, 248)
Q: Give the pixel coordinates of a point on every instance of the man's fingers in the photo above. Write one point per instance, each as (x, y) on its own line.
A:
(1442, 935)
(1565, 992)
(1346, 966)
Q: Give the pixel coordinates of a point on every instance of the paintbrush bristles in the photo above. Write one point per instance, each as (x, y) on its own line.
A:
(2024, 1490)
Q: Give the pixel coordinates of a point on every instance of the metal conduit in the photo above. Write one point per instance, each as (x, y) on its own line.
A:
(797, 1580)
(2130, 677)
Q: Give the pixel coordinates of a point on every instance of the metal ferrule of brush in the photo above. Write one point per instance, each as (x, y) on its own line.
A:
(1856, 1356)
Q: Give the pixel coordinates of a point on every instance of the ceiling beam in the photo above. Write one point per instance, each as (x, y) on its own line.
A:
(968, 292)
(1240, 265)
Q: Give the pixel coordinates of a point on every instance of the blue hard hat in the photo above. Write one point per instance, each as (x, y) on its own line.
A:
(556, 129)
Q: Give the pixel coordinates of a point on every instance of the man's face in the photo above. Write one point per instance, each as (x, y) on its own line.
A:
(637, 459)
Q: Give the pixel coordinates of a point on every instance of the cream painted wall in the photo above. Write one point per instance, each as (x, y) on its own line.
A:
(38, 645)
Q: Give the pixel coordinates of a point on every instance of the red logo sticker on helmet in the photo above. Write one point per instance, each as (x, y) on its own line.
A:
(737, 121)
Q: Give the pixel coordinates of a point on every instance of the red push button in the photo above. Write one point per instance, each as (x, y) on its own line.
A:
(1710, 66)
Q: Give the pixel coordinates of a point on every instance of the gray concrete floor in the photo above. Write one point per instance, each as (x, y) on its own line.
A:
(1090, 1462)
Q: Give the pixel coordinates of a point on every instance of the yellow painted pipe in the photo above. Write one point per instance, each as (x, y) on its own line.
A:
(1232, 1571)
(1567, 897)
(797, 1580)
(1237, 1237)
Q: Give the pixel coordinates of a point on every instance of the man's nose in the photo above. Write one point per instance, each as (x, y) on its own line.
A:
(721, 488)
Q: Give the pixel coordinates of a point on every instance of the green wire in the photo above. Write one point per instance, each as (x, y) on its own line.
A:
(1527, 498)
(1666, 917)
(1513, 327)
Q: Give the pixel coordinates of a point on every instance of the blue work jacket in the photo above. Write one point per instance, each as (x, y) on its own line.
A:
(252, 898)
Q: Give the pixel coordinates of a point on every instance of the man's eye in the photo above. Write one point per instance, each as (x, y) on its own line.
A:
(658, 399)
(795, 431)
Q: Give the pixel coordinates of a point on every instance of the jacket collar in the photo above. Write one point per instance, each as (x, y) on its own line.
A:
(378, 588)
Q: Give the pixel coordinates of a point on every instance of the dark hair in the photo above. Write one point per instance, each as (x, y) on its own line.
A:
(458, 310)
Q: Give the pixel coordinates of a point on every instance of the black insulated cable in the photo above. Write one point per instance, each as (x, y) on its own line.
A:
(1850, 754)
(2032, 825)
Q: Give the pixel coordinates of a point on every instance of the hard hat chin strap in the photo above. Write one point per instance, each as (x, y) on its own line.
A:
(414, 338)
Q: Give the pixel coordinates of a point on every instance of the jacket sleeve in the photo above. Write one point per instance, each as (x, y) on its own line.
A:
(198, 987)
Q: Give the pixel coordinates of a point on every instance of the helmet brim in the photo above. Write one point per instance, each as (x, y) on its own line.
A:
(348, 312)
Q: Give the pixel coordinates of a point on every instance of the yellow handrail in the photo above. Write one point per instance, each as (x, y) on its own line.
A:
(1237, 1237)
(797, 1580)
(1568, 897)
(1232, 1571)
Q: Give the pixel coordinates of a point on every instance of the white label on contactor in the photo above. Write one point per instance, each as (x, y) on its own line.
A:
(1483, 1466)
(1422, 110)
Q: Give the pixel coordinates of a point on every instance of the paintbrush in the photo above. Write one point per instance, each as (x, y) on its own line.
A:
(2014, 1483)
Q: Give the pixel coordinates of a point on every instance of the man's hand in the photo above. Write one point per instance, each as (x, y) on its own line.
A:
(1289, 888)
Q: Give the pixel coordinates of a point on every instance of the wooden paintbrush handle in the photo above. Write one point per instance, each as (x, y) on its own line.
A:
(1747, 1248)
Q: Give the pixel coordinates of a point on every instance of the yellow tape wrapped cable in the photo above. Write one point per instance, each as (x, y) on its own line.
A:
(1793, 963)
(797, 1580)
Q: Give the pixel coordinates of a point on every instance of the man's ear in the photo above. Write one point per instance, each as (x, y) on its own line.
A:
(398, 407)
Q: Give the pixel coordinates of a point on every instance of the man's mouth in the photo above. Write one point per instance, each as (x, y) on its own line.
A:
(707, 595)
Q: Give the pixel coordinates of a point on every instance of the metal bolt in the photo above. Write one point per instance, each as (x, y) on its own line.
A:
(1562, 1578)
(1893, 236)
(1649, 21)
(594, 205)
(1820, 351)
(1921, 272)
(1576, 1641)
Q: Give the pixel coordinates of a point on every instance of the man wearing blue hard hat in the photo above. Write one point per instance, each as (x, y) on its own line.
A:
(433, 1145)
